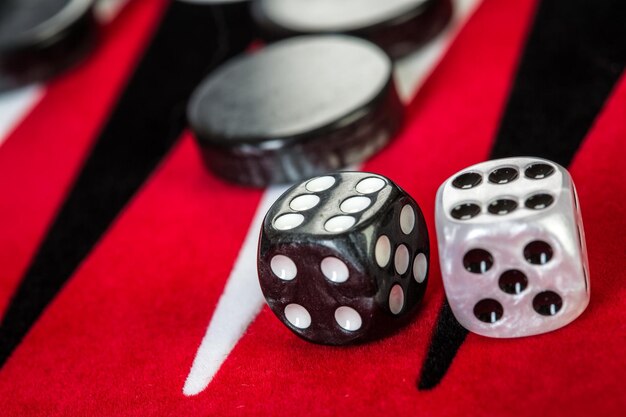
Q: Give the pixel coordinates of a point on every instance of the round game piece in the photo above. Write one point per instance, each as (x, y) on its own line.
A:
(298, 108)
(40, 38)
(397, 26)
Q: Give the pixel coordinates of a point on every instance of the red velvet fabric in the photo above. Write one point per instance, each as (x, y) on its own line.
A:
(120, 337)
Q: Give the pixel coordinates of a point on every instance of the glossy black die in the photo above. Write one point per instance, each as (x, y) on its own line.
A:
(344, 258)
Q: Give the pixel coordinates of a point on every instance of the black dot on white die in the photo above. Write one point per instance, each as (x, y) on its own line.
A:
(538, 252)
(580, 243)
(513, 282)
(502, 206)
(547, 303)
(465, 211)
(477, 261)
(467, 180)
(539, 201)
(488, 310)
(580, 236)
(538, 171)
(503, 175)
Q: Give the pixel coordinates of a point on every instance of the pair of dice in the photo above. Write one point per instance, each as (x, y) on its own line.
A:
(344, 257)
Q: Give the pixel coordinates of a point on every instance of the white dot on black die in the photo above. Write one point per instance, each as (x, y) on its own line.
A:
(334, 269)
(382, 251)
(298, 316)
(348, 318)
(320, 184)
(407, 219)
(420, 267)
(304, 202)
(355, 204)
(288, 221)
(401, 260)
(339, 224)
(396, 299)
(370, 185)
(283, 267)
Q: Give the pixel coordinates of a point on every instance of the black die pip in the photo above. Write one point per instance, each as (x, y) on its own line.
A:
(343, 258)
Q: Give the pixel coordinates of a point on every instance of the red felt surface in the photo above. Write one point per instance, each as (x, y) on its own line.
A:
(44, 153)
(121, 336)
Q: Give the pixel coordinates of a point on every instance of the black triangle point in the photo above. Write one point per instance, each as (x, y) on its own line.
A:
(573, 57)
(190, 40)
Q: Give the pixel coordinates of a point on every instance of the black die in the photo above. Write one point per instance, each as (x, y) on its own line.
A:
(344, 258)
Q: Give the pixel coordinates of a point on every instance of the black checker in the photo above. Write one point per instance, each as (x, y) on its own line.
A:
(296, 109)
(397, 26)
(41, 38)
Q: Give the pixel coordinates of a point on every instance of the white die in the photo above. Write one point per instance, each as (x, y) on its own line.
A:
(494, 220)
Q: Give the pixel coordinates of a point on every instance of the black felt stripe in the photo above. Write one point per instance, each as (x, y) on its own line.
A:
(149, 117)
(574, 55)
(447, 338)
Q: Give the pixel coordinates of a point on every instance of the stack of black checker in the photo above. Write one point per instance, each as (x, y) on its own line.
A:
(321, 98)
(39, 39)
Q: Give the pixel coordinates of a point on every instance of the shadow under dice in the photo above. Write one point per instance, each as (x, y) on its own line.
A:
(343, 258)
(512, 247)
